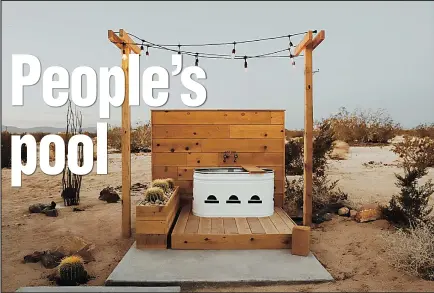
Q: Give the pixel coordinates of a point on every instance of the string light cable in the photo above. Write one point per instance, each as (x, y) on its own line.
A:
(196, 55)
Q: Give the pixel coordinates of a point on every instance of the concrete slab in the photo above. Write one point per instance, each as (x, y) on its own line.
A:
(98, 289)
(188, 267)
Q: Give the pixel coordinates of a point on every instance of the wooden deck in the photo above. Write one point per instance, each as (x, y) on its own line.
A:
(192, 232)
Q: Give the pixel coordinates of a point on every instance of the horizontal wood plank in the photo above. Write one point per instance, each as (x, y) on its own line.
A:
(242, 145)
(257, 131)
(257, 159)
(164, 172)
(277, 117)
(190, 131)
(177, 145)
(202, 159)
(252, 169)
(211, 117)
(172, 159)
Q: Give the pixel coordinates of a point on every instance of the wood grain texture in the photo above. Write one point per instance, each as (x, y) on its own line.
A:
(211, 117)
(193, 232)
(183, 140)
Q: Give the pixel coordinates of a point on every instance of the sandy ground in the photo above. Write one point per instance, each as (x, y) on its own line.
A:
(351, 252)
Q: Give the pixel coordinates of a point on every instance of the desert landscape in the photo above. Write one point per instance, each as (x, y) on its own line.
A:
(354, 253)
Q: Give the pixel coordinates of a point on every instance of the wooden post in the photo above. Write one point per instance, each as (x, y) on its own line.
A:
(126, 152)
(308, 44)
(127, 46)
(308, 137)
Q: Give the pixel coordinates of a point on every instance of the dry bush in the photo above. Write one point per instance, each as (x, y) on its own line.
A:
(415, 151)
(39, 135)
(293, 133)
(412, 250)
(325, 193)
(140, 138)
(410, 207)
(425, 130)
(322, 147)
(340, 150)
(362, 127)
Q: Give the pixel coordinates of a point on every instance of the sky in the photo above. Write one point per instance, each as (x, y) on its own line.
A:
(376, 55)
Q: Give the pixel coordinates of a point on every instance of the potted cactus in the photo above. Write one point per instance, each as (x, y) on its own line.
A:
(156, 213)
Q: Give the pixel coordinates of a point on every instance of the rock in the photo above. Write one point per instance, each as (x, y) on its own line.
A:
(50, 212)
(51, 260)
(33, 258)
(368, 213)
(109, 195)
(86, 253)
(344, 211)
(36, 208)
(75, 245)
(327, 217)
(353, 213)
(39, 207)
(77, 210)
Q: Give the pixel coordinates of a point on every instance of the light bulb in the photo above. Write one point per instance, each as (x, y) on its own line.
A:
(245, 69)
(124, 56)
(233, 51)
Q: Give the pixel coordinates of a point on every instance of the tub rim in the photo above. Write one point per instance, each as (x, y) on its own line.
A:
(213, 170)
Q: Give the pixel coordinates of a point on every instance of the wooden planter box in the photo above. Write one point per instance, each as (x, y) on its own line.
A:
(154, 222)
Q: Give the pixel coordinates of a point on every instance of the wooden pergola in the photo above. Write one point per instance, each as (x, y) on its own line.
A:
(127, 46)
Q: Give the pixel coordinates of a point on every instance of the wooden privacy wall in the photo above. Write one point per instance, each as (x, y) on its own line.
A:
(183, 140)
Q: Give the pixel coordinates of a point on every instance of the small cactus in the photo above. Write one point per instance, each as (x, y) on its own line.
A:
(71, 270)
(171, 183)
(162, 183)
(154, 194)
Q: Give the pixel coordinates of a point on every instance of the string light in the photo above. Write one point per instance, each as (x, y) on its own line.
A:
(233, 51)
(197, 59)
(273, 54)
(290, 43)
(245, 63)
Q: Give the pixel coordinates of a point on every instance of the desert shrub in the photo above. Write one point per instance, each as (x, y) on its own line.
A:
(140, 138)
(90, 134)
(294, 157)
(412, 250)
(322, 147)
(6, 150)
(39, 135)
(363, 126)
(410, 207)
(293, 133)
(325, 193)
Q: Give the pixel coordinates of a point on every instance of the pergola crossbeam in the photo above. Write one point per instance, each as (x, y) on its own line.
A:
(302, 45)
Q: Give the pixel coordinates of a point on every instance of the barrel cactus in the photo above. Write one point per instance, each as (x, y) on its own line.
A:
(154, 194)
(71, 271)
(171, 183)
(162, 183)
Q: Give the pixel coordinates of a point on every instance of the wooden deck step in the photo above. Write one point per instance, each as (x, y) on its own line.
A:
(192, 232)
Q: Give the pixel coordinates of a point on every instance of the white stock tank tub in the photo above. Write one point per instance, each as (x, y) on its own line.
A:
(233, 192)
